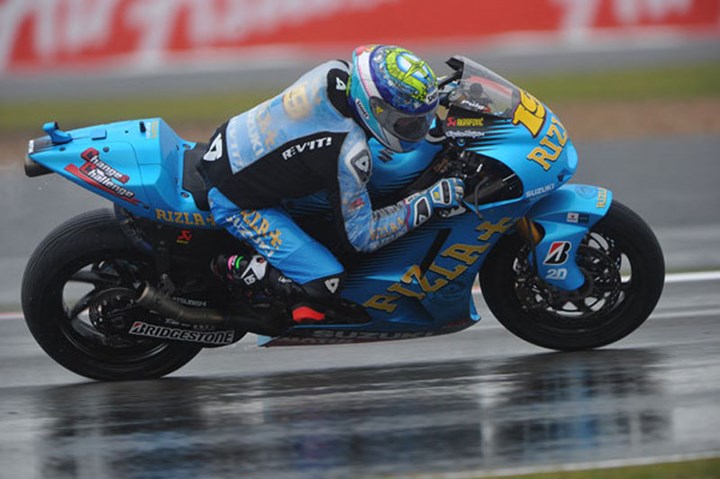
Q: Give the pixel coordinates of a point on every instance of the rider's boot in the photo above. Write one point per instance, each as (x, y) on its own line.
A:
(248, 270)
(308, 301)
(317, 296)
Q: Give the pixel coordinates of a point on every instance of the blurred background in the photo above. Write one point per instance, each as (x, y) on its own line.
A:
(636, 83)
(197, 61)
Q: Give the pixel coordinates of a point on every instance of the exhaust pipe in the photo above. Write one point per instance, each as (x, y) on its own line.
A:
(158, 302)
(164, 305)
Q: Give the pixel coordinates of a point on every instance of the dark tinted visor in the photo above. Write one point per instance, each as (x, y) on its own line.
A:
(403, 125)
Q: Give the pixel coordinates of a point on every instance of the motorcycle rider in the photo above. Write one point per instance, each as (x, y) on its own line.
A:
(312, 139)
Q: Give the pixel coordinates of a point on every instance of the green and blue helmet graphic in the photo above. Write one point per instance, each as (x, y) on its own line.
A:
(394, 93)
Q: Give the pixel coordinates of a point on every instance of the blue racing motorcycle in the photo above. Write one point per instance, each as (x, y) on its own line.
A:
(128, 294)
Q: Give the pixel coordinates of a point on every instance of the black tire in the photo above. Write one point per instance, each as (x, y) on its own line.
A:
(622, 257)
(59, 265)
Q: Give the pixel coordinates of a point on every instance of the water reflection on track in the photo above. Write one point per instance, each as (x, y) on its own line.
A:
(476, 401)
(425, 417)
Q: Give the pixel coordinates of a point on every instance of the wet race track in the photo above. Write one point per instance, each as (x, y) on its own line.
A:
(479, 400)
(468, 404)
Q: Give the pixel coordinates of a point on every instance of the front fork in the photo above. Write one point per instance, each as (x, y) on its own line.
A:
(555, 227)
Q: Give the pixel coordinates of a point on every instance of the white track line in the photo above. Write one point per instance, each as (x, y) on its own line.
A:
(670, 278)
(692, 277)
(695, 313)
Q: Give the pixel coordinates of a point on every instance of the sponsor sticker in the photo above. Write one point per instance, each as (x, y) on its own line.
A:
(539, 191)
(184, 237)
(455, 122)
(309, 145)
(183, 218)
(602, 198)
(362, 109)
(578, 218)
(558, 253)
(464, 134)
(462, 127)
(102, 176)
(296, 102)
(140, 328)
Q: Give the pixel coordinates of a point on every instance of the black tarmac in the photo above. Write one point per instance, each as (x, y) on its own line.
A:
(474, 402)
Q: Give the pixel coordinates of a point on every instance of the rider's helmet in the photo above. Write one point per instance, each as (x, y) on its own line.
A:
(394, 93)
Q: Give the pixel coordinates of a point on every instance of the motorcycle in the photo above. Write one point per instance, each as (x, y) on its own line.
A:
(128, 293)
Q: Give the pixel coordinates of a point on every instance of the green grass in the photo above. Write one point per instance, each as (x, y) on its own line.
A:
(696, 469)
(668, 83)
(672, 83)
(201, 109)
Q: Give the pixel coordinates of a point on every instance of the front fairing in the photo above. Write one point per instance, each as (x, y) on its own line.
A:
(487, 114)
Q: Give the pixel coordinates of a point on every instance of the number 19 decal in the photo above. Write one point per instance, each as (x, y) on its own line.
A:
(530, 113)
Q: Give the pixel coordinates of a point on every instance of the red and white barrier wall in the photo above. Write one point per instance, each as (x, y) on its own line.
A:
(49, 35)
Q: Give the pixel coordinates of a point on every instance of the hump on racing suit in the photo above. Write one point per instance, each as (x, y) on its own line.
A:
(299, 143)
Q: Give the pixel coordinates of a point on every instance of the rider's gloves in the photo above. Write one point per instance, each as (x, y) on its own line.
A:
(445, 194)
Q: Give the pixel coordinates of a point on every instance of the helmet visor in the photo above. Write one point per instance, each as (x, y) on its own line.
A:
(406, 126)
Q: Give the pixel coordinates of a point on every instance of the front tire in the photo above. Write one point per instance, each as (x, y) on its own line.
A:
(87, 266)
(624, 269)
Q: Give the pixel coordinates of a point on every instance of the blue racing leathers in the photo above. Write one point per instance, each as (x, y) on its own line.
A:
(302, 142)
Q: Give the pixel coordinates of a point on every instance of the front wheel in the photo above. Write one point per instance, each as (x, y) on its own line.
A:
(77, 296)
(624, 275)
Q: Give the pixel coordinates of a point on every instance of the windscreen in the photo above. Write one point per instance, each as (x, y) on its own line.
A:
(482, 91)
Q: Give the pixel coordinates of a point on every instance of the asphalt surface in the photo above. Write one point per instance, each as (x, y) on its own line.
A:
(475, 402)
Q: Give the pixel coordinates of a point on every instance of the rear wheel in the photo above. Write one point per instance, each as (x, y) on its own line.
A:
(624, 275)
(78, 296)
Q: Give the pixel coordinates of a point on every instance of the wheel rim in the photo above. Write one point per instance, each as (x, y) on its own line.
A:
(609, 278)
(96, 300)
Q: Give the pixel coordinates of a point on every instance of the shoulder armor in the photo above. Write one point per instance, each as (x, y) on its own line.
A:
(337, 81)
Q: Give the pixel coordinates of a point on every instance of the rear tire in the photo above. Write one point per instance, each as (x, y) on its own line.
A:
(625, 264)
(90, 252)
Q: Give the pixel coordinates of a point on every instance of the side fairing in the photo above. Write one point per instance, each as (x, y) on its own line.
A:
(424, 279)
